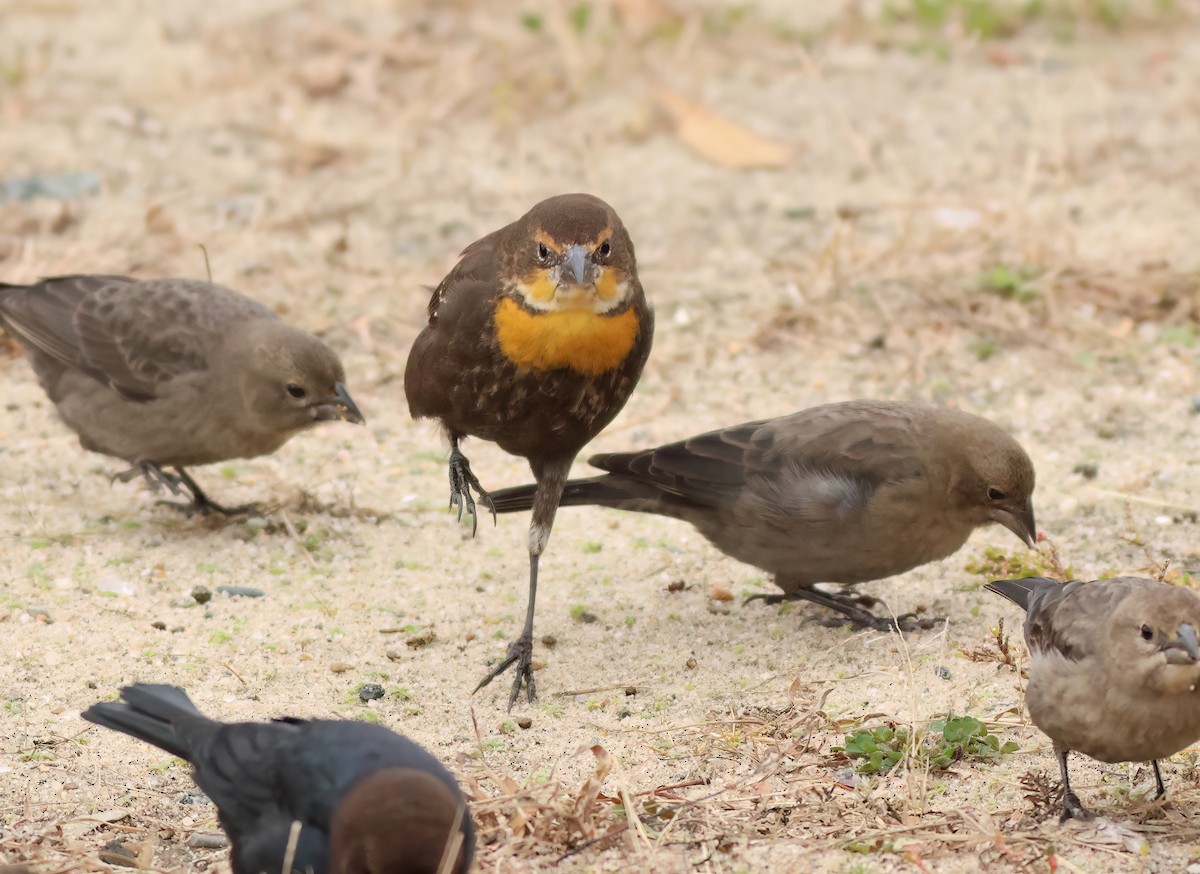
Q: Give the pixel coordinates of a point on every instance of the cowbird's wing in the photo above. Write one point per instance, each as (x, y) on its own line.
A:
(126, 334)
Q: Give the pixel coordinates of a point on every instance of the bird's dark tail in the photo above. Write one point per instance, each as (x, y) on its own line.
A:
(603, 491)
(1021, 591)
(147, 711)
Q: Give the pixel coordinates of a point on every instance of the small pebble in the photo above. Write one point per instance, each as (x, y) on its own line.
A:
(159, 624)
(524, 722)
(587, 617)
(393, 653)
(340, 667)
(425, 638)
(944, 673)
(208, 841)
(40, 614)
(676, 586)
(1086, 469)
(630, 691)
(691, 663)
(549, 640)
(201, 594)
(238, 591)
(370, 692)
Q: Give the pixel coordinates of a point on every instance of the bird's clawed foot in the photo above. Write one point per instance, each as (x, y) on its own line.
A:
(520, 652)
(181, 484)
(1073, 809)
(848, 606)
(462, 480)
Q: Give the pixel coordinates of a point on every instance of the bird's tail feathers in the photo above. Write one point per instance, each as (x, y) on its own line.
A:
(1021, 591)
(146, 711)
(603, 491)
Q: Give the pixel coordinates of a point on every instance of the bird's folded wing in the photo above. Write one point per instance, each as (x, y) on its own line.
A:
(476, 265)
(241, 766)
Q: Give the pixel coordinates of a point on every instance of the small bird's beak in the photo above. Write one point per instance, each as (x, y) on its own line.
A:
(1020, 522)
(341, 406)
(1184, 642)
(576, 258)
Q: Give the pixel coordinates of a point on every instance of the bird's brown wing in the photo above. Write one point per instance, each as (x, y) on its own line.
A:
(822, 462)
(129, 335)
(1066, 618)
(476, 265)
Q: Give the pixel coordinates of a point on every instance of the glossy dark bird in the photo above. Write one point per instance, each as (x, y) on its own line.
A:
(173, 372)
(841, 493)
(1114, 669)
(366, 800)
(535, 341)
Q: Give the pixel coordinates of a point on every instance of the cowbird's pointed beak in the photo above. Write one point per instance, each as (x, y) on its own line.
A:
(340, 406)
(1018, 520)
(1184, 642)
(576, 260)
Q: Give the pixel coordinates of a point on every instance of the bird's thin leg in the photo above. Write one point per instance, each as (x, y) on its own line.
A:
(520, 651)
(462, 480)
(1071, 806)
(848, 608)
(1158, 781)
(155, 477)
(202, 503)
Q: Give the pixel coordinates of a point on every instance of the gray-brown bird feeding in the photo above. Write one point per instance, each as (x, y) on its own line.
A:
(311, 797)
(841, 493)
(173, 372)
(535, 340)
(1114, 667)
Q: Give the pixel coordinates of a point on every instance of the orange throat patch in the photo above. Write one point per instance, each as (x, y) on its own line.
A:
(586, 342)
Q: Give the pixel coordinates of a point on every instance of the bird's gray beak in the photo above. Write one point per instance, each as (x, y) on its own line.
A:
(576, 259)
(1020, 522)
(1184, 642)
(341, 406)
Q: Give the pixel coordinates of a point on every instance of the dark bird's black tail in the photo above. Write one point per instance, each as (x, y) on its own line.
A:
(1022, 591)
(148, 712)
(602, 491)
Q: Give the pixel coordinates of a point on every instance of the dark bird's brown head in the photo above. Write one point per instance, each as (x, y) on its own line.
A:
(401, 821)
(1152, 635)
(995, 477)
(568, 287)
(289, 379)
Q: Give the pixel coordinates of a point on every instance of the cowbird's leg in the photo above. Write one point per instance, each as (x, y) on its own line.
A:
(849, 607)
(462, 480)
(202, 503)
(155, 477)
(1158, 781)
(520, 650)
(1071, 806)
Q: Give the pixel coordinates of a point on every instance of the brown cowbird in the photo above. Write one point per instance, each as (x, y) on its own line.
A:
(366, 800)
(1114, 667)
(535, 341)
(173, 372)
(841, 493)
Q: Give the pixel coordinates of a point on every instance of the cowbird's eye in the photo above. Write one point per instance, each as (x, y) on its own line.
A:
(543, 253)
(995, 494)
(605, 249)
(1147, 633)
(296, 391)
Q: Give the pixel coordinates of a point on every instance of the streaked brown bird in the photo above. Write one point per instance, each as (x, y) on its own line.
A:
(535, 341)
(173, 372)
(1114, 669)
(841, 493)
(326, 796)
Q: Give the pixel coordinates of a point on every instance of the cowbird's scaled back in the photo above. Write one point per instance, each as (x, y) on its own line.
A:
(333, 796)
(1114, 669)
(535, 340)
(173, 372)
(841, 493)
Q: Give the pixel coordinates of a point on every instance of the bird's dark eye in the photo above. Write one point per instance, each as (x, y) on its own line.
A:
(543, 252)
(605, 249)
(1147, 633)
(995, 494)
(296, 391)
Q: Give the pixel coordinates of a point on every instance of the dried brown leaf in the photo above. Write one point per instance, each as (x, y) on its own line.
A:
(718, 139)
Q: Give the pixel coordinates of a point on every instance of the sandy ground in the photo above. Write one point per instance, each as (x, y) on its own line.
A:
(333, 163)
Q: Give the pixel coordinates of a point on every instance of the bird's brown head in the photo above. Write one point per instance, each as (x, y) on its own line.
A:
(996, 479)
(291, 380)
(401, 821)
(568, 278)
(1154, 631)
